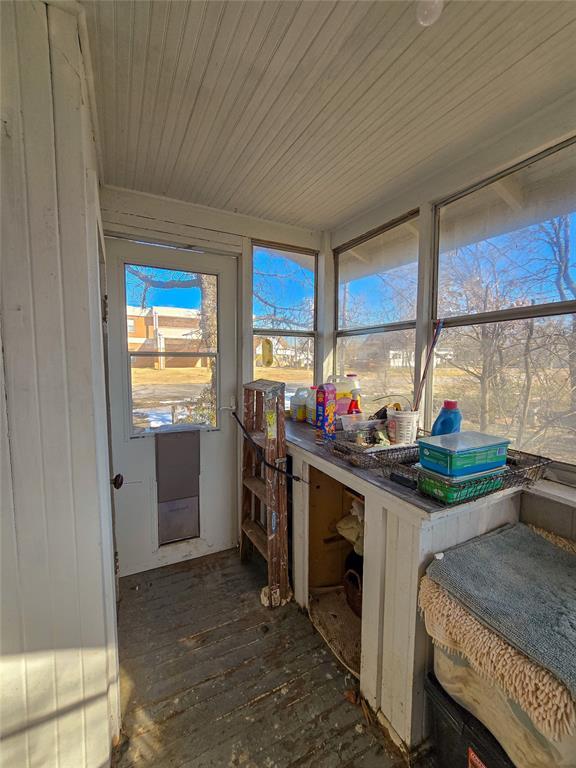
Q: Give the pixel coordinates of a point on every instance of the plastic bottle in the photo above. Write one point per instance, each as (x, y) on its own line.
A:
(345, 385)
(354, 406)
(298, 404)
(448, 420)
(311, 406)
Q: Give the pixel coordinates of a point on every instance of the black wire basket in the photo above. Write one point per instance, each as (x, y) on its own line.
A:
(360, 447)
(521, 469)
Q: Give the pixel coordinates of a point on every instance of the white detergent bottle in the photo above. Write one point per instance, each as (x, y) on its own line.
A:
(311, 406)
(298, 404)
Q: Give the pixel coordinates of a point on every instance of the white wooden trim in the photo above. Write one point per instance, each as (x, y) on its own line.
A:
(424, 329)
(373, 596)
(300, 528)
(326, 298)
(399, 542)
(246, 356)
(88, 438)
(101, 428)
(75, 8)
(137, 213)
(245, 352)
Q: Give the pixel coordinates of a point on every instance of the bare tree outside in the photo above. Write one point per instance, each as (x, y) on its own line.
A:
(378, 284)
(514, 378)
(283, 305)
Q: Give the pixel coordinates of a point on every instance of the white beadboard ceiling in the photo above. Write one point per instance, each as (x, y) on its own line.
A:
(311, 112)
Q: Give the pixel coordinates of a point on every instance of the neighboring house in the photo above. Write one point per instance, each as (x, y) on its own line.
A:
(401, 358)
(165, 329)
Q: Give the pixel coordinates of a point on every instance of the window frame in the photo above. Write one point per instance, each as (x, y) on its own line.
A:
(543, 310)
(401, 325)
(428, 284)
(127, 355)
(283, 332)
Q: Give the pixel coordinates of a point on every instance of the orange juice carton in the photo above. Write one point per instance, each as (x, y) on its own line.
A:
(326, 412)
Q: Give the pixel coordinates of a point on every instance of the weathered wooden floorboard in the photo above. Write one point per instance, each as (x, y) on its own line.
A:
(214, 729)
(143, 586)
(235, 586)
(211, 679)
(214, 697)
(217, 642)
(187, 642)
(204, 665)
(255, 732)
(143, 639)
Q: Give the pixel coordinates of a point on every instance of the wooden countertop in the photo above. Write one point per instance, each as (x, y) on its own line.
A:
(303, 436)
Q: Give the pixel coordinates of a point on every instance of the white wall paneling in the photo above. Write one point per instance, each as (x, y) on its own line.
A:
(59, 666)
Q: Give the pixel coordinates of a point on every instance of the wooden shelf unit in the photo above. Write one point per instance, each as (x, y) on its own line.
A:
(264, 492)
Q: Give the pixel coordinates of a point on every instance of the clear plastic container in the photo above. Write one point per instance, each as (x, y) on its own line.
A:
(463, 453)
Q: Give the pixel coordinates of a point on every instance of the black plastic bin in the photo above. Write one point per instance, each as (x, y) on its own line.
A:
(460, 740)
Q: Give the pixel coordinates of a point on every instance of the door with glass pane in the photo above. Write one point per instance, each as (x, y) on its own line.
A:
(172, 328)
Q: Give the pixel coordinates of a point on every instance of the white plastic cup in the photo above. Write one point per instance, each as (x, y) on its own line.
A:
(402, 426)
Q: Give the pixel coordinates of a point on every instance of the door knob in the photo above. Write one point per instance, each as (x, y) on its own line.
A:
(117, 481)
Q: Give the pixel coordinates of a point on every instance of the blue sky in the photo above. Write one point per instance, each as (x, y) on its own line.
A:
(525, 272)
(188, 298)
(294, 286)
(289, 283)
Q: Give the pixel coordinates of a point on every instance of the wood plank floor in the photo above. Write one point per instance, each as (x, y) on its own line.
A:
(211, 678)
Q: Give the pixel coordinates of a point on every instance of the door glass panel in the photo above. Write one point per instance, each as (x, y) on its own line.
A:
(172, 333)
(170, 310)
(170, 391)
(292, 362)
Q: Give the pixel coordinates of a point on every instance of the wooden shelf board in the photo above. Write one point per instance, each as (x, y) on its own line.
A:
(265, 385)
(257, 536)
(257, 487)
(259, 438)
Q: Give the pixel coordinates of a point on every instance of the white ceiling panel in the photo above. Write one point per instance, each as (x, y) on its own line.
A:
(311, 112)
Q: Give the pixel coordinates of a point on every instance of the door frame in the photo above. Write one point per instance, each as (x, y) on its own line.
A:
(115, 268)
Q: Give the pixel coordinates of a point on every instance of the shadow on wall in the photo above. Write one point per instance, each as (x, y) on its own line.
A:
(43, 730)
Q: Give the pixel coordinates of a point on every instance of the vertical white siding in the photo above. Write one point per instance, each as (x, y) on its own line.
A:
(59, 705)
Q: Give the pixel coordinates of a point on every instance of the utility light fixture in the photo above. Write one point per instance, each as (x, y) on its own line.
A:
(429, 11)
